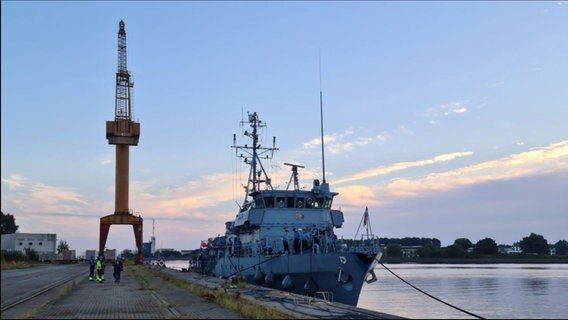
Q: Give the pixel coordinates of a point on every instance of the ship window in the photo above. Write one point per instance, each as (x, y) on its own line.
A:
(30, 243)
(319, 202)
(300, 202)
(309, 203)
(41, 243)
(19, 243)
(327, 203)
(259, 203)
(269, 202)
(280, 202)
(290, 203)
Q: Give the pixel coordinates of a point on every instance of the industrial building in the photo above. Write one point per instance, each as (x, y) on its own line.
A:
(42, 243)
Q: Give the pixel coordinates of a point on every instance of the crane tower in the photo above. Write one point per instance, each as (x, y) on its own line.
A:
(123, 132)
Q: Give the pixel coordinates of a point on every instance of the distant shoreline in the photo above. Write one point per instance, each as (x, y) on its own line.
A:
(488, 260)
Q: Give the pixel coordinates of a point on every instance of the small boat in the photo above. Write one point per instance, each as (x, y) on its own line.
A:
(285, 238)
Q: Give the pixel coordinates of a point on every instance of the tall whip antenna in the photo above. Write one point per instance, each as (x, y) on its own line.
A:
(321, 117)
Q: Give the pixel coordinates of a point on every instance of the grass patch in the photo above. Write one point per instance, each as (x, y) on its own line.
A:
(66, 289)
(139, 277)
(12, 264)
(229, 301)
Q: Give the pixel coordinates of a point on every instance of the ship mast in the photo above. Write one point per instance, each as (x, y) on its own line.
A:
(253, 154)
(324, 183)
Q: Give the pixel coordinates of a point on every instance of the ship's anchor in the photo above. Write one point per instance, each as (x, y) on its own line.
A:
(374, 277)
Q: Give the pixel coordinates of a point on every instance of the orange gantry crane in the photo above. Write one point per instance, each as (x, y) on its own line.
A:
(123, 132)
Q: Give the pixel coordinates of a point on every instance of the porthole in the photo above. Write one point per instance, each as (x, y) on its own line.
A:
(30, 243)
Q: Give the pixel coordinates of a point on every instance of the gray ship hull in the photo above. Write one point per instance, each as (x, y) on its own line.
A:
(337, 276)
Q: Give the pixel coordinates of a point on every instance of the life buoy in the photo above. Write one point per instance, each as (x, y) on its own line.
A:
(161, 263)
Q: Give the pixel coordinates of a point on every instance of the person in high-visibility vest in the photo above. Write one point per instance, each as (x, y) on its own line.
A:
(99, 267)
(104, 265)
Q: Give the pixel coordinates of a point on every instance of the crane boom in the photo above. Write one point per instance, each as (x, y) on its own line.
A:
(123, 108)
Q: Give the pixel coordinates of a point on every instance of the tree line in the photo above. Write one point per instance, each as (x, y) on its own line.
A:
(463, 247)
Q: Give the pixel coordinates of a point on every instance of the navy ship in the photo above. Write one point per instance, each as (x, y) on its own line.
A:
(285, 239)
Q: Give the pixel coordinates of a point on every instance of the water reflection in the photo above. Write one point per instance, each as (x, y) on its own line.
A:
(536, 286)
(499, 291)
(488, 286)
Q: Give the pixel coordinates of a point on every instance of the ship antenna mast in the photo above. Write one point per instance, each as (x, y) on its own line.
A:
(321, 120)
(252, 155)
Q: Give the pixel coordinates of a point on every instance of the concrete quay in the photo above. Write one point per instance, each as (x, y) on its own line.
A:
(152, 297)
(293, 305)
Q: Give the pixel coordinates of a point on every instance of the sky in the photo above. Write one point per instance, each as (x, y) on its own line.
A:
(446, 119)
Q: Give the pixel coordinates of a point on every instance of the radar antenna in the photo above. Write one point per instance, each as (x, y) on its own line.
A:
(294, 175)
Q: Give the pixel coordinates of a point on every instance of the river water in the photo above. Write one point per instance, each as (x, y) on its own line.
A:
(495, 291)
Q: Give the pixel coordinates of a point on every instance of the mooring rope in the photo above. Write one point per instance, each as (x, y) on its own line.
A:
(239, 271)
(426, 293)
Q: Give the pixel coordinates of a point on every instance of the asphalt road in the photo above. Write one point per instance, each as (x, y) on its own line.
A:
(20, 283)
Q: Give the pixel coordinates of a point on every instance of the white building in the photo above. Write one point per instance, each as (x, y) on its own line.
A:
(42, 243)
(152, 245)
(507, 249)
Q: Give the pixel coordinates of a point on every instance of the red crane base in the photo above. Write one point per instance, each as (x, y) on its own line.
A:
(122, 218)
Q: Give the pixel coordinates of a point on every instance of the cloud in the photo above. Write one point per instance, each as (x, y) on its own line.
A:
(106, 159)
(35, 196)
(358, 194)
(187, 199)
(404, 130)
(505, 210)
(14, 181)
(446, 109)
(383, 170)
(518, 194)
(539, 161)
(453, 107)
(338, 142)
